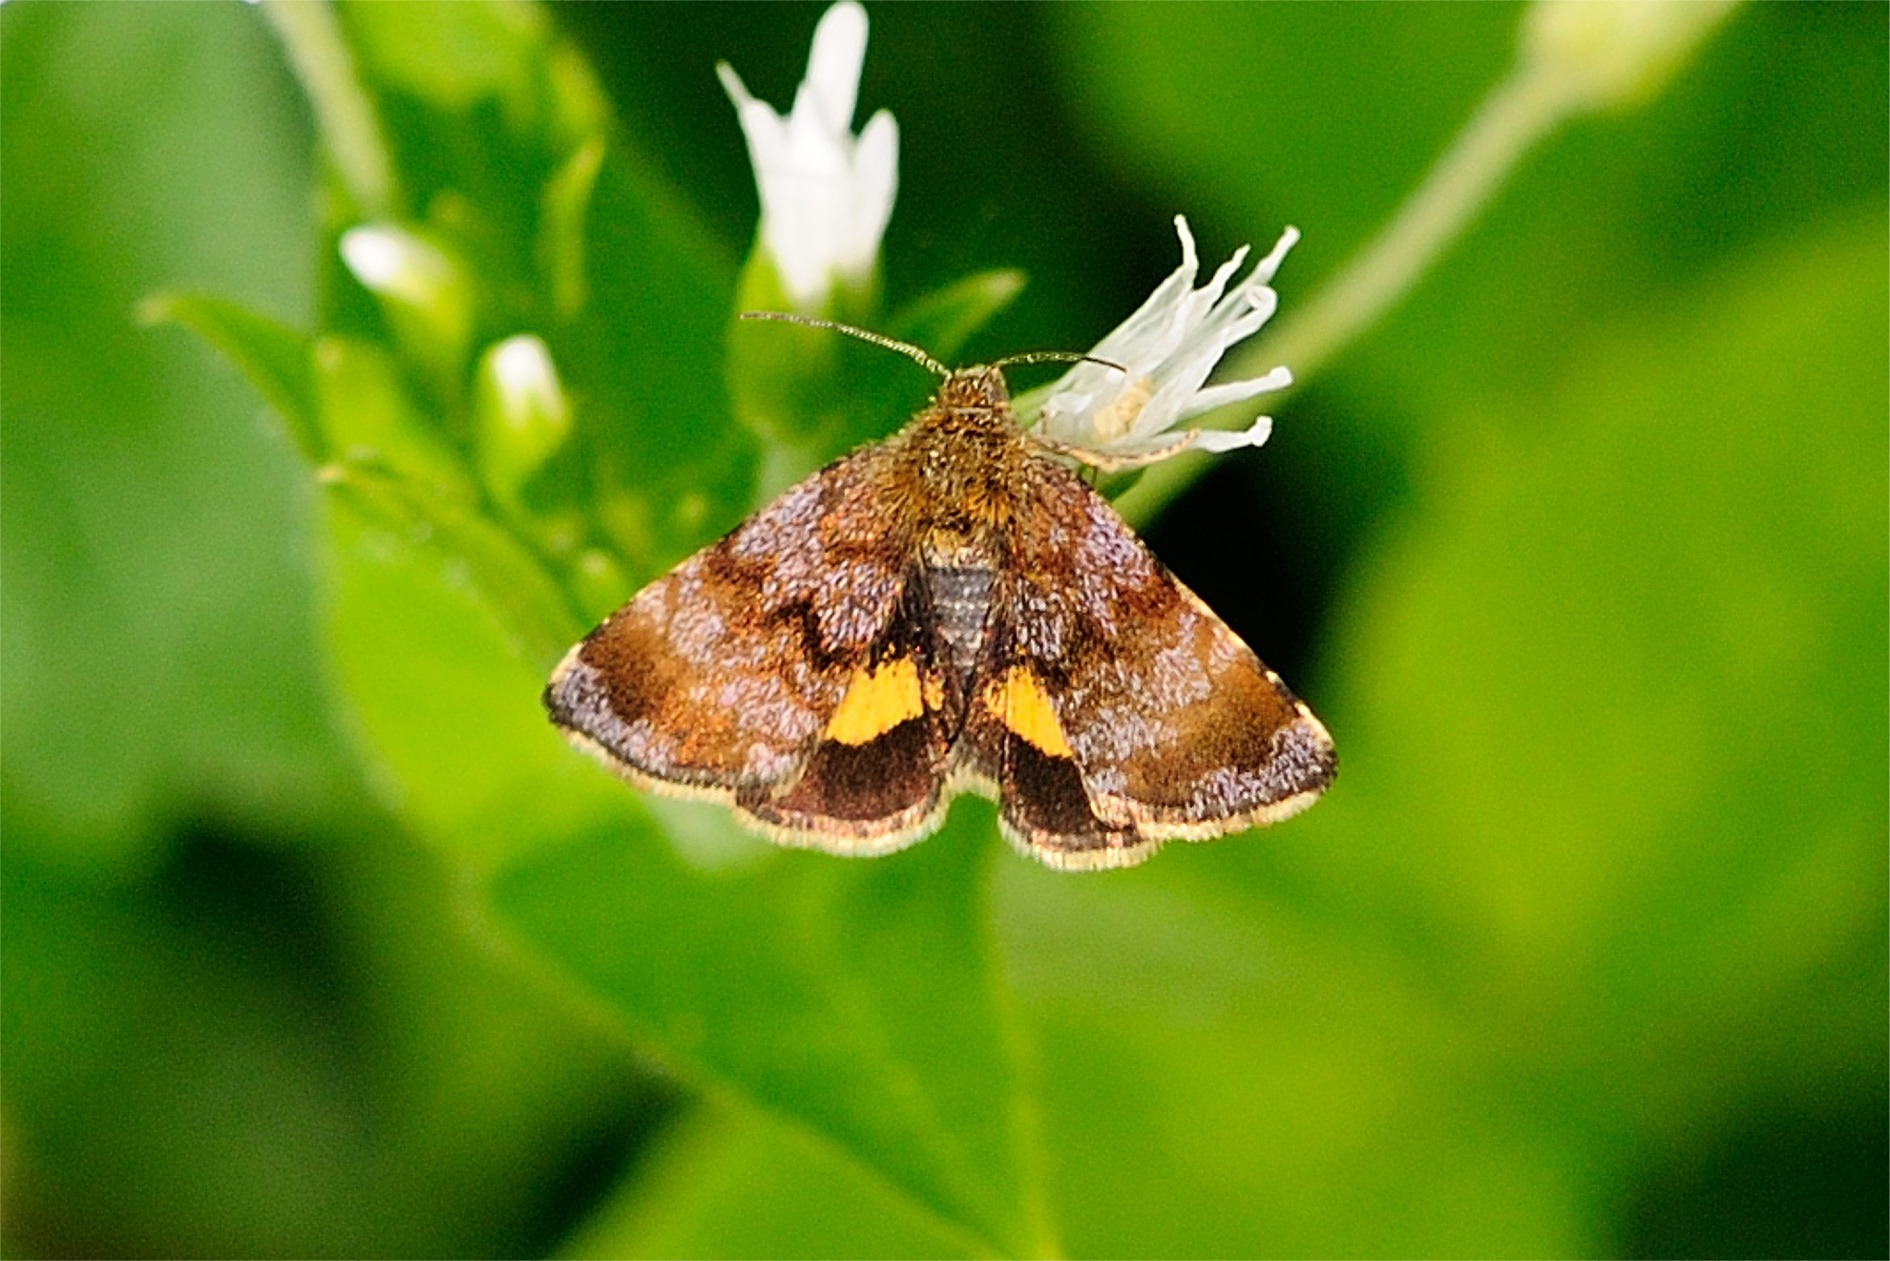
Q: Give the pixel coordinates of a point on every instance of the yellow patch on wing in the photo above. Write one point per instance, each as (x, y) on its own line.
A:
(1017, 700)
(877, 702)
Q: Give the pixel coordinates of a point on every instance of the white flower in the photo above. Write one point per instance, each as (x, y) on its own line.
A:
(1167, 348)
(825, 195)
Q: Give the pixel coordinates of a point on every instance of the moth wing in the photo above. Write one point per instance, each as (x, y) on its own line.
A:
(778, 671)
(1170, 724)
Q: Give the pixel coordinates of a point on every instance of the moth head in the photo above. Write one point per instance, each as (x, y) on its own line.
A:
(974, 387)
(979, 386)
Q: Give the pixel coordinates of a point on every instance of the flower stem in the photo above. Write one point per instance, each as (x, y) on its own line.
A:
(344, 115)
(1524, 107)
(1521, 110)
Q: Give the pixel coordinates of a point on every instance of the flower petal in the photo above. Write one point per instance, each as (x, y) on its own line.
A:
(1236, 392)
(875, 187)
(1167, 350)
(834, 64)
(1233, 439)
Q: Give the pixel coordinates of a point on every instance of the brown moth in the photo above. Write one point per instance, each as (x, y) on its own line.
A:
(951, 608)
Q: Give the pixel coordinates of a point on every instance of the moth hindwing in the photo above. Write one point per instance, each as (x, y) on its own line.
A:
(951, 608)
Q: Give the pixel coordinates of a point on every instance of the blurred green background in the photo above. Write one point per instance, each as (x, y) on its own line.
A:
(317, 941)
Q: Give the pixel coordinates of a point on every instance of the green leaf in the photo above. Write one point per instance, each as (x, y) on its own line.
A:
(1647, 614)
(943, 321)
(858, 998)
(273, 356)
(455, 56)
(734, 1182)
(369, 419)
(1227, 1074)
(561, 242)
(1605, 857)
(645, 363)
(529, 606)
(154, 634)
(442, 658)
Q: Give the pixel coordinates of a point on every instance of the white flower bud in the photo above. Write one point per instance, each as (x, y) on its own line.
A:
(825, 195)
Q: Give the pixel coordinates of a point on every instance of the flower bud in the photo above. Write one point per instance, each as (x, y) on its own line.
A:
(422, 290)
(521, 413)
(1616, 52)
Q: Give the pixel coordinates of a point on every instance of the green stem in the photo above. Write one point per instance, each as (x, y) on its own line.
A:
(1523, 108)
(344, 115)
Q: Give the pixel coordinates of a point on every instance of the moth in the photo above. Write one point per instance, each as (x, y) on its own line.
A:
(952, 608)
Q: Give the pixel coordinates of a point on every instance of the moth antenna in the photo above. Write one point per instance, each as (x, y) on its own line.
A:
(1058, 356)
(878, 339)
